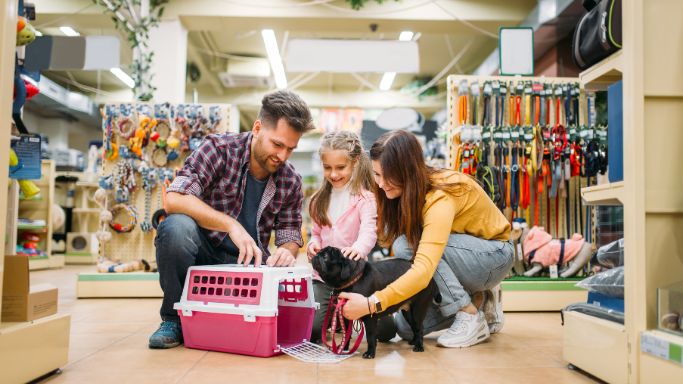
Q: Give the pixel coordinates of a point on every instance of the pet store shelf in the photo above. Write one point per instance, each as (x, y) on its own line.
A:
(32, 349)
(540, 294)
(661, 355)
(596, 346)
(604, 73)
(80, 258)
(130, 284)
(603, 194)
(46, 262)
(86, 210)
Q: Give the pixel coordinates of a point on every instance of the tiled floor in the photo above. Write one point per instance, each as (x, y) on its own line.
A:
(109, 345)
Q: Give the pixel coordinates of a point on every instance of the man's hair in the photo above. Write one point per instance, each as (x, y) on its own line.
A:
(286, 105)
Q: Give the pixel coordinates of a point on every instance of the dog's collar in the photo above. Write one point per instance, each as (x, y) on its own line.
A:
(354, 280)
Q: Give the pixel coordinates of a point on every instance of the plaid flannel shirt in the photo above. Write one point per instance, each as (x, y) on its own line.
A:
(216, 173)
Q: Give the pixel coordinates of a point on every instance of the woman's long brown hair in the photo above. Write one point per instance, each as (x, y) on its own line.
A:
(400, 156)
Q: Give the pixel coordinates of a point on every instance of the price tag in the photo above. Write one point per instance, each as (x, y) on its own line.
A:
(553, 272)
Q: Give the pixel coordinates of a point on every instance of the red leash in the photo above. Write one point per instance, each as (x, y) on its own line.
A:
(335, 311)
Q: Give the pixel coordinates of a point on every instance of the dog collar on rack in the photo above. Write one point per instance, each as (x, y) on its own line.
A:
(132, 218)
(359, 273)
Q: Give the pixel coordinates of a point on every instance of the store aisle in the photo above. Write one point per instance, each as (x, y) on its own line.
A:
(109, 345)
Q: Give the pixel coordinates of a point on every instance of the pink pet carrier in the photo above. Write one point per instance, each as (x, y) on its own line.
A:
(246, 310)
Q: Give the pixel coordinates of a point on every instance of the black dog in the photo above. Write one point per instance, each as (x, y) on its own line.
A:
(346, 275)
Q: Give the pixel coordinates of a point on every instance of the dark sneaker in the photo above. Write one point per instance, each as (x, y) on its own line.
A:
(168, 335)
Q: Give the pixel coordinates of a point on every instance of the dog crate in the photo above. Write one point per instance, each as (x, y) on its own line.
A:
(246, 310)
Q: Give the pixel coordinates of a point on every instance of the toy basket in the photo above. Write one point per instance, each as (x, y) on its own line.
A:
(246, 310)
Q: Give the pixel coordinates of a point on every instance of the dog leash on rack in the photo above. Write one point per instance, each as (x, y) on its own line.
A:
(334, 317)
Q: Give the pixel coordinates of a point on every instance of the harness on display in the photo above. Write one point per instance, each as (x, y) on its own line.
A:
(334, 317)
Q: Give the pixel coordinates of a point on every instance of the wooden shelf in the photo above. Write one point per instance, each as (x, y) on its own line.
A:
(596, 346)
(32, 349)
(604, 73)
(603, 194)
(86, 210)
(663, 345)
(87, 184)
(132, 284)
(539, 294)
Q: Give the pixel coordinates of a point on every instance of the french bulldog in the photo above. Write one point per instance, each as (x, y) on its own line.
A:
(358, 276)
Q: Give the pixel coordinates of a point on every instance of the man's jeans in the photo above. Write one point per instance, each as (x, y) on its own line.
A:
(181, 243)
(468, 265)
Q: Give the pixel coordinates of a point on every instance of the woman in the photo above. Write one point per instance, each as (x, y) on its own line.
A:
(461, 238)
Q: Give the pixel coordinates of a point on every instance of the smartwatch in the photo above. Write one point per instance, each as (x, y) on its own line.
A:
(378, 305)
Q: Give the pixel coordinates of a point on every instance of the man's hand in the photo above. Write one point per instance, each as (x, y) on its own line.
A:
(351, 253)
(281, 258)
(246, 245)
(312, 250)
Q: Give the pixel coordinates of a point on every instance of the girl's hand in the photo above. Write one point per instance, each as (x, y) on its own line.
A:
(312, 250)
(351, 253)
(356, 305)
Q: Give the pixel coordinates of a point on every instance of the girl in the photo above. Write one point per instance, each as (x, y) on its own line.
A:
(343, 210)
(443, 221)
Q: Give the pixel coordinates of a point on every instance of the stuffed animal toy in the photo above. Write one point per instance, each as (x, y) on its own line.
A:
(106, 265)
(541, 251)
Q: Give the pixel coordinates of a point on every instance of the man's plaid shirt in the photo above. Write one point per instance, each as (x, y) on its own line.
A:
(216, 173)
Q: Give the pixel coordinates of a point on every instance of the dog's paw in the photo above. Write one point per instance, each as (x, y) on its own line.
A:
(418, 348)
(369, 355)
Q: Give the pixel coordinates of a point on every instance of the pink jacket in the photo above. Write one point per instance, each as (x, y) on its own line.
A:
(546, 250)
(356, 228)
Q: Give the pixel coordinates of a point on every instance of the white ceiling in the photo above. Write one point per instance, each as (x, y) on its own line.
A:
(217, 28)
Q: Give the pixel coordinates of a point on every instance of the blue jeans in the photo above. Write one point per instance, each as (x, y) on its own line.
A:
(180, 244)
(468, 265)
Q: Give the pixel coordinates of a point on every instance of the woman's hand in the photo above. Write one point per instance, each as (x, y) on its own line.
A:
(356, 305)
(351, 253)
(312, 250)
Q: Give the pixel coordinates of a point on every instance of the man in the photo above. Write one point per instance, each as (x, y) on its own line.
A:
(231, 193)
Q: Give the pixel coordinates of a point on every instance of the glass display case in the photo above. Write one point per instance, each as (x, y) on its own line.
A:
(670, 308)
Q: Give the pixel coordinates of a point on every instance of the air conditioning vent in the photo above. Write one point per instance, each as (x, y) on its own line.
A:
(247, 72)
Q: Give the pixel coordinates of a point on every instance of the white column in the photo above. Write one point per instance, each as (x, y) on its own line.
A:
(169, 43)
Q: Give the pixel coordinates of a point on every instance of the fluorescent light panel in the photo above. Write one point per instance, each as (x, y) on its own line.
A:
(274, 58)
(68, 31)
(38, 33)
(406, 36)
(123, 76)
(388, 78)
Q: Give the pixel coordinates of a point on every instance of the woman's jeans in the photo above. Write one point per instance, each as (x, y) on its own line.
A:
(468, 265)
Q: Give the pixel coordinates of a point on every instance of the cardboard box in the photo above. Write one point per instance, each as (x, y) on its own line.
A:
(20, 300)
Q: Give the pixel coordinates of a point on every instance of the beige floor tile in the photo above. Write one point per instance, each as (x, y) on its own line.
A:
(386, 376)
(524, 375)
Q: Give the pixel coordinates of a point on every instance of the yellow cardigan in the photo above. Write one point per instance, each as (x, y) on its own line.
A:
(469, 210)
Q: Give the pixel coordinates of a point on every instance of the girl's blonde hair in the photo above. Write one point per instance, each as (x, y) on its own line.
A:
(361, 178)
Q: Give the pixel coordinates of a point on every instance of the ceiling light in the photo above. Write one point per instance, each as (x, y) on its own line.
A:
(274, 58)
(69, 31)
(387, 80)
(406, 36)
(38, 33)
(123, 76)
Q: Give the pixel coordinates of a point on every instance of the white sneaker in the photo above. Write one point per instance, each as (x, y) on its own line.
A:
(466, 330)
(493, 309)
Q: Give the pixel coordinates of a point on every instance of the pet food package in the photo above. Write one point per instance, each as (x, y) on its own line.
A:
(612, 254)
(609, 283)
(598, 33)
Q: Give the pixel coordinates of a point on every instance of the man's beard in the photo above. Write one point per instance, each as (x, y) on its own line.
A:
(262, 159)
